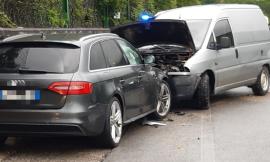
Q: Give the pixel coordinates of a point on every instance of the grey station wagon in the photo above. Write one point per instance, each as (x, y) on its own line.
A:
(76, 85)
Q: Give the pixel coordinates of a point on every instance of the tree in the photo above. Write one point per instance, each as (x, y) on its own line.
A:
(5, 22)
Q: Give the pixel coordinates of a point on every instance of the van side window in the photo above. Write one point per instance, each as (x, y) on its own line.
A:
(97, 59)
(131, 54)
(223, 29)
(113, 53)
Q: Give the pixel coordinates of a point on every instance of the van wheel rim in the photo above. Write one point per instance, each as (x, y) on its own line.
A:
(116, 122)
(264, 81)
(164, 101)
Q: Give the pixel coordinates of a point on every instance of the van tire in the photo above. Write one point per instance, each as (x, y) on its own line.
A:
(259, 88)
(202, 94)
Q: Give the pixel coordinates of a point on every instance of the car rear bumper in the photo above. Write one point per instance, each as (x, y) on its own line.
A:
(70, 121)
(183, 85)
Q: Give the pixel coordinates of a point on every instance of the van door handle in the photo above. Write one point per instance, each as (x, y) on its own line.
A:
(236, 53)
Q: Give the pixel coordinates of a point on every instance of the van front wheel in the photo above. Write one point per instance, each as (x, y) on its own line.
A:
(202, 94)
(261, 87)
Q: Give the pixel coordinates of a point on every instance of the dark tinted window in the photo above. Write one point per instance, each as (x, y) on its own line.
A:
(223, 29)
(97, 59)
(39, 57)
(113, 53)
(130, 53)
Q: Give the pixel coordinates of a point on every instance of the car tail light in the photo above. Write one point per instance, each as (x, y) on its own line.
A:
(71, 88)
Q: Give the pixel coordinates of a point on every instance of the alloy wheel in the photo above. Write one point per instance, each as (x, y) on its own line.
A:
(116, 122)
(164, 101)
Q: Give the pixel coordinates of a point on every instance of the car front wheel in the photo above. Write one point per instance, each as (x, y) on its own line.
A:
(164, 101)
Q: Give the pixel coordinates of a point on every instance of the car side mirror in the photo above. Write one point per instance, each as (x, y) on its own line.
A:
(225, 42)
(149, 59)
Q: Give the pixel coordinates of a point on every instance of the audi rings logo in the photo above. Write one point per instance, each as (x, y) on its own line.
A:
(16, 83)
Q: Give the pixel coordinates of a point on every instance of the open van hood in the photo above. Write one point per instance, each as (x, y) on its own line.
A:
(156, 32)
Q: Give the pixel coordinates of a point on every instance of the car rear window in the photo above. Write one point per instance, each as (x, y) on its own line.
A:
(49, 57)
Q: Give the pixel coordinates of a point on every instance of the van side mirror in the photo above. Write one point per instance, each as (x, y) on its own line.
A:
(149, 59)
(225, 42)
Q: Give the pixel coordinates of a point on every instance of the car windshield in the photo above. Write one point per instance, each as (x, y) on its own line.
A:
(198, 30)
(15, 58)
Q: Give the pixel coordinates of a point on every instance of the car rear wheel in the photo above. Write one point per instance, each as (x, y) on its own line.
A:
(114, 124)
(261, 87)
(164, 101)
(202, 94)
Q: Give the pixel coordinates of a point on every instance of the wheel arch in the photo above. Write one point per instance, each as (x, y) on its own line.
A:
(268, 67)
(120, 99)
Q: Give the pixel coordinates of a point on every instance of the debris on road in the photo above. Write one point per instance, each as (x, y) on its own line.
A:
(180, 113)
(153, 123)
(169, 119)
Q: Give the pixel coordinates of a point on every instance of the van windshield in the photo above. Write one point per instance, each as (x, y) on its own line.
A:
(38, 57)
(198, 30)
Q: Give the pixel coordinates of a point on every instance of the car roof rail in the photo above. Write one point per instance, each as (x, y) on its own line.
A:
(97, 35)
(12, 38)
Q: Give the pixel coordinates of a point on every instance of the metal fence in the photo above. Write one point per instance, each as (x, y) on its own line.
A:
(6, 32)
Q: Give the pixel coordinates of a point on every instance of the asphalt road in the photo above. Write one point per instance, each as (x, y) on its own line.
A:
(235, 129)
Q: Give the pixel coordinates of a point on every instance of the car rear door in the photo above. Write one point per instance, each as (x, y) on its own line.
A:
(27, 71)
(125, 77)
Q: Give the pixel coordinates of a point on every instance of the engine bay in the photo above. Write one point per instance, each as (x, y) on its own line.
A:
(169, 58)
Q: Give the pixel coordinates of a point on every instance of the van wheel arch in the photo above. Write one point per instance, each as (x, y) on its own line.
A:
(268, 66)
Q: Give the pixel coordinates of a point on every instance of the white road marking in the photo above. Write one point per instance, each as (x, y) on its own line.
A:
(207, 138)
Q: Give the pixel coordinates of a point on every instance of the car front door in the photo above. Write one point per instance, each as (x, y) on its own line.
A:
(146, 76)
(227, 62)
(125, 77)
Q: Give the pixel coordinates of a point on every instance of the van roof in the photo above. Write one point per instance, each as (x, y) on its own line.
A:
(200, 11)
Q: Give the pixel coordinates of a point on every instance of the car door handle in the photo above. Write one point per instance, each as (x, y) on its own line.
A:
(122, 81)
(140, 77)
(236, 53)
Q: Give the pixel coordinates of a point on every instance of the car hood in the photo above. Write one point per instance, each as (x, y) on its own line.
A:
(156, 32)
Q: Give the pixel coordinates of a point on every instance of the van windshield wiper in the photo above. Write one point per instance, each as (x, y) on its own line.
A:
(36, 71)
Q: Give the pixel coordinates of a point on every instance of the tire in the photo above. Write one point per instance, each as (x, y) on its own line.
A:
(202, 94)
(261, 87)
(114, 124)
(2, 140)
(163, 106)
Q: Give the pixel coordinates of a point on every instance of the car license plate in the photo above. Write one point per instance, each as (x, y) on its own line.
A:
(20, 95)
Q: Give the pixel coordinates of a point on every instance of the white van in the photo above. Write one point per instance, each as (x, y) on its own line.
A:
(206, 49)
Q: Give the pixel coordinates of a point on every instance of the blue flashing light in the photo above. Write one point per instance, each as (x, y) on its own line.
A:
(146, 17)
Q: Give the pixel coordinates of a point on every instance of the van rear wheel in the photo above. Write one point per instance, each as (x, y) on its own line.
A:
(202, 94)
(261, 87)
